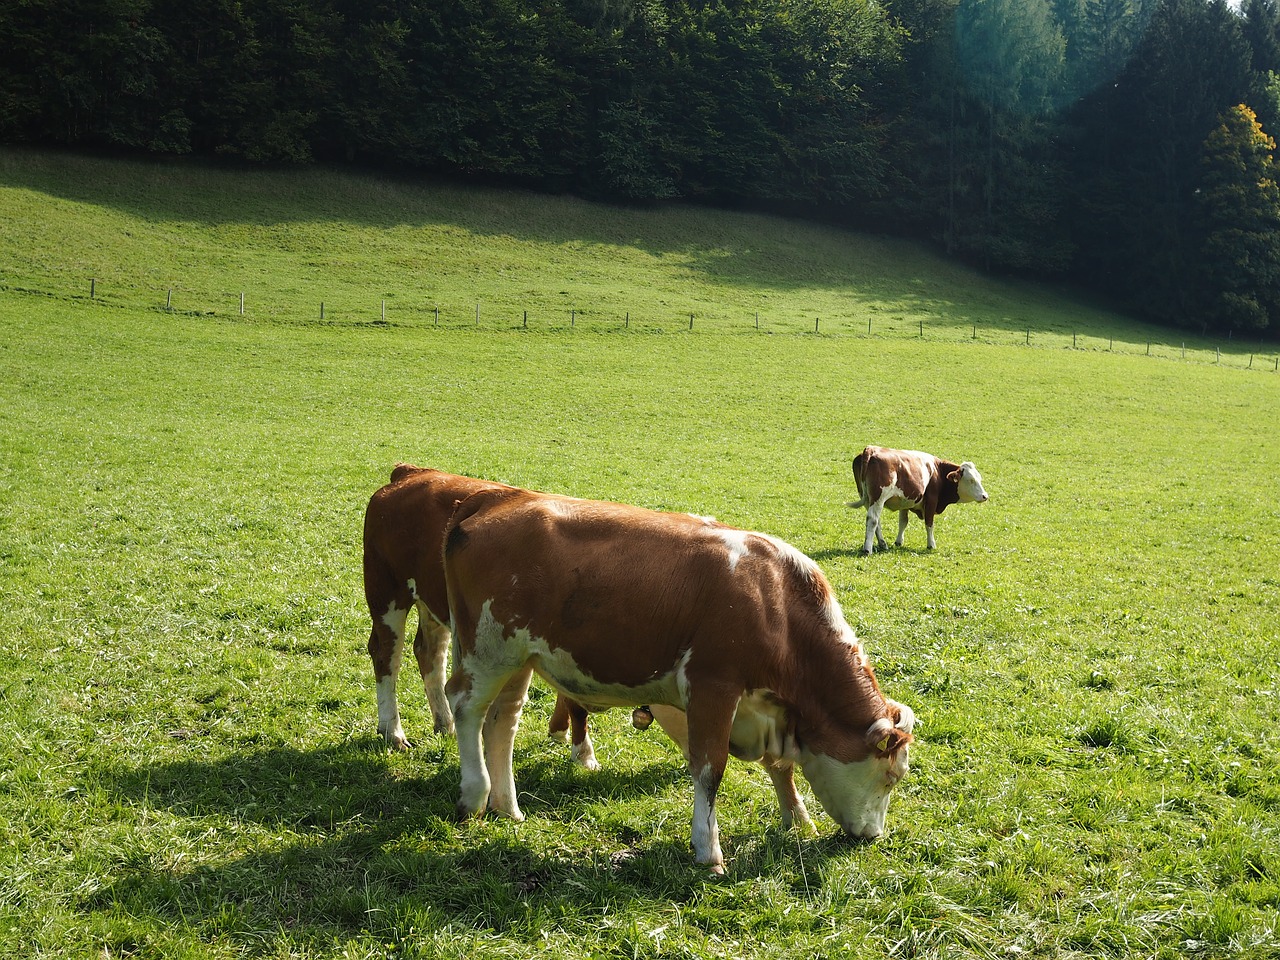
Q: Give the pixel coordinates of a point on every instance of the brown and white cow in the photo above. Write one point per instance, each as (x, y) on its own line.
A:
(404, 529)
(910, 482)
(615, 605)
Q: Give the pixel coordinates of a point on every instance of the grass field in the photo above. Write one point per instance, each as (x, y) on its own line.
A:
(188, 761)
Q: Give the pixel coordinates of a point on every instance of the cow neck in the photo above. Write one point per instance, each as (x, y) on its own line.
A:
(836, 697)
(948, 492)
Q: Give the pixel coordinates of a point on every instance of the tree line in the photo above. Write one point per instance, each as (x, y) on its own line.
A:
(1124, 145)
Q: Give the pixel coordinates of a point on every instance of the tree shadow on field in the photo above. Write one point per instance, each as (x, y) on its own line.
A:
(371, 850)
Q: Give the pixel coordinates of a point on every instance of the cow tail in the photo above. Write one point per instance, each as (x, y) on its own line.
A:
(859, 465)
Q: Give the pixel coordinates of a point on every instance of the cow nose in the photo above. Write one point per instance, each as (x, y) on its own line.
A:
(866, 831)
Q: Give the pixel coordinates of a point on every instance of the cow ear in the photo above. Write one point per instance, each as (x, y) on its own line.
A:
(954, 476)
(884, 738)
(904, 718)
(891, 741)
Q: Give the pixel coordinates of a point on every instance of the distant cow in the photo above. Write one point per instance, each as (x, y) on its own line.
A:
(615, 605)
(404, 529)
(910, 482)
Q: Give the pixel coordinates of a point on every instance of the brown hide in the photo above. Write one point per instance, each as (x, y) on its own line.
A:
(878, 467)
(627, 592)
(404, 529)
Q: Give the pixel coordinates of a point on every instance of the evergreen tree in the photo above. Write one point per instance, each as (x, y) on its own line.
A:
(1139, 238)
(1239, 206)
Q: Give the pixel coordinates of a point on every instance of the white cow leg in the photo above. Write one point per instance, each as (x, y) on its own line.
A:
(903, 517)
(499, 742)
(470, 697)
(873, 528)
(928, 529)
(386, 647)
(431, 647)
(710, 718)
(782, 773)
(706, 832)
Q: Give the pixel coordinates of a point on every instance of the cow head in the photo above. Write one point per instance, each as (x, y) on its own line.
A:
(968, 484)
(856, 793)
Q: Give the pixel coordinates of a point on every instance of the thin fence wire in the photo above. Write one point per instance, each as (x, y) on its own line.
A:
(398, 309)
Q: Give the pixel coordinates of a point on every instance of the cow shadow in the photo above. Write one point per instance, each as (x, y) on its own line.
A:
(343, 840)
(360, 781)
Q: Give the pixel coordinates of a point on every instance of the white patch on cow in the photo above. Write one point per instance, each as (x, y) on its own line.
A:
(412, 584)
(584, 755)
(759, 727)
(496, 654)
(388, 708)
(907, 720)
(705, 833)
(708, 521)
(856, 794)
(970, 489)
(682, 679)
(736, 541)
(892, 497)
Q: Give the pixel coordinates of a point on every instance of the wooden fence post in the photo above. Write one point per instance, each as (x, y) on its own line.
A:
(93, 287)
(321, 309)
(691, 321)
(168, 300)
(242, 303)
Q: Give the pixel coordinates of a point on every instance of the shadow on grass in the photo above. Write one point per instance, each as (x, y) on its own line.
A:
(371, 851)
(326, 788)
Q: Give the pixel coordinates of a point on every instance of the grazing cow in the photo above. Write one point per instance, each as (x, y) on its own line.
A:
(404, 529)
(615, 605)
(910, 482)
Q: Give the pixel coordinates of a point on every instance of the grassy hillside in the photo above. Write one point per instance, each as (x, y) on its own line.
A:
(369, 250)
(188, 763)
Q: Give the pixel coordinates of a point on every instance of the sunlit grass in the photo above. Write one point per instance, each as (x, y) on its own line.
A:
(188, 761)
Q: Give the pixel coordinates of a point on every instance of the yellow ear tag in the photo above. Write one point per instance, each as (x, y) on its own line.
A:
(883, 745)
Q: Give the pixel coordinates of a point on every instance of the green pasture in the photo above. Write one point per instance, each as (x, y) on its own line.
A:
(188, 761)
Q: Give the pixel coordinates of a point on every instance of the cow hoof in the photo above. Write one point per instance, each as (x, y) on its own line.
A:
(560, 736)
(464, 812)
(395, 741)
(444, 729)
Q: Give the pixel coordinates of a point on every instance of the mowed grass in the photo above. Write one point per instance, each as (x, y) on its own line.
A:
(188, 762)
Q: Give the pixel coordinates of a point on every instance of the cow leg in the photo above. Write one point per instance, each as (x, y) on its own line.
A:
(782, 773)
(710, 716)
(386, 646)
(558, 725)
(903, 517)
(928, 516)
(431, 648)
(873, 528)
(568, 724)
(499, 741)
(470, 697)
(674, 723)
(583, 753)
